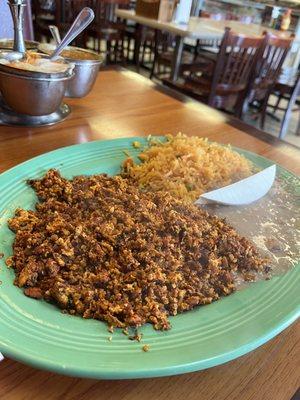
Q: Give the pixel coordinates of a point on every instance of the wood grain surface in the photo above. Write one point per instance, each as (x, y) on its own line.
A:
(124, 104)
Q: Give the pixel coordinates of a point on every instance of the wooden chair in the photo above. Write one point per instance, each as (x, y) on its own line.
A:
(108, 28)
(204, 52)
(163, 53)
(144, 46)
(139, 42)
(290, 94)
(44, 14)
(207, 48)
(287, 90)
(163, 56)
(66, 12)
(266, 73)
(226, 86)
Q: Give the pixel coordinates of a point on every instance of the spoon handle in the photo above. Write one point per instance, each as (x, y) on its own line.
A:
(55, 34)
(83, 19)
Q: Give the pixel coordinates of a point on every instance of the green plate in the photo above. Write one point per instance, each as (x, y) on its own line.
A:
(36, 333)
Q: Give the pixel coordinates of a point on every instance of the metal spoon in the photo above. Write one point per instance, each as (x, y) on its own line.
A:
(83, 19)
(55, 34)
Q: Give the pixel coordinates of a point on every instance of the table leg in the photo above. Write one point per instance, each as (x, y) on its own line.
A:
(137, 45)
(288, 112)
(177, 58)
(298, 127)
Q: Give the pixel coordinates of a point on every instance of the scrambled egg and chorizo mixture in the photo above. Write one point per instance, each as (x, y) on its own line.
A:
(99, 247)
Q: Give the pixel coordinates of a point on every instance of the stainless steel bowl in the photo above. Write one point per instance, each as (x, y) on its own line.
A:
(33, 93)
(86, 71)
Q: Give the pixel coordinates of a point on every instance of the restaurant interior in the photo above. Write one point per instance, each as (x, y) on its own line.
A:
(149, 199)
(264, 93)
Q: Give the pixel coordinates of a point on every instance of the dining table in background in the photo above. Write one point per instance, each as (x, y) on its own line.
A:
(124, 104)
(198, 28)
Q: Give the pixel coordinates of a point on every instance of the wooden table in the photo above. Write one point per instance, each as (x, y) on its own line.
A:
(198, 28)
(126, 104)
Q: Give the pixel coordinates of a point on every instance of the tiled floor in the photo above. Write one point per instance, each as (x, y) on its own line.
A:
(273, 127)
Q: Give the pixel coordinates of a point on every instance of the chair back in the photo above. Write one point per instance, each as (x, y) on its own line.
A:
(268, 67)
(41, 8)
(164, 41)
(208, 44)
(235, 62)
(67, 10)
(105, 11)
(44, 14)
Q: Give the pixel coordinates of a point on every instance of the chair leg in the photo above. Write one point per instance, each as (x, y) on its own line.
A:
(263, 117)
(128, 42)
(287, 114)
(153, 69)
(114, 52)
(279, 98)
(155, 64)
(108, 52)
(143, 53)
(137, 47)
(137, 63)
(263, 110)
(239, 111)
(122, 55)
(117, 51)
(240, 105)
(196, 49)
